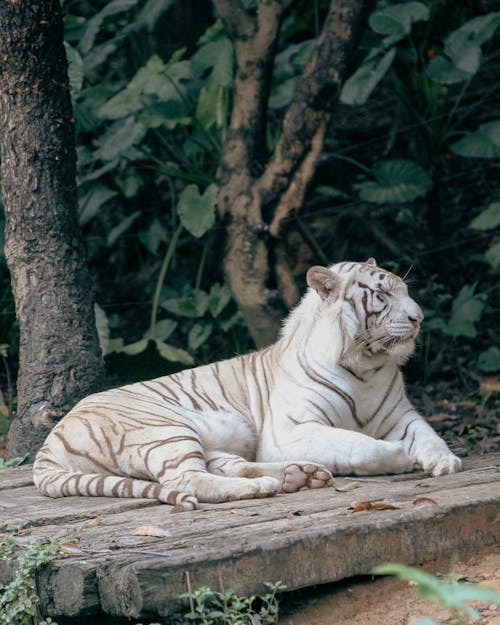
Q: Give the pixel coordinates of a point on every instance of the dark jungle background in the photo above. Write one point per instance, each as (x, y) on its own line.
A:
(409, 174)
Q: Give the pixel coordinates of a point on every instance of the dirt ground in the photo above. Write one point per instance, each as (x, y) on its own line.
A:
(389, 601)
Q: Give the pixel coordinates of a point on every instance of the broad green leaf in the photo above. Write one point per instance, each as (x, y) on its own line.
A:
(464, 54)
(174, 354)
(489, 360)
(219, 56)
(462, 50)
(487, 219)
(116, 232)
(493, 255)
(121, 136)
(218, 298)
(91, 202)
(198, 334)
(398, 180)
(466, 311)
(444, 72)
(482, 143)
(155, 82)
(478, 30)
(169, 114)
(358, 87)
(193, 306)
(163, 329)
(397, 19)
(133, 349)
(197, 212)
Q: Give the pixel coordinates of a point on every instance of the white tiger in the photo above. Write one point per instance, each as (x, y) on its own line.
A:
(328, 396)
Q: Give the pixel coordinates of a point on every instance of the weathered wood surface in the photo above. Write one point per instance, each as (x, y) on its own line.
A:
(305, 538)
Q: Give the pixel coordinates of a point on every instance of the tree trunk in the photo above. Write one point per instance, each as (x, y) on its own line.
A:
(255, 207)
(60, 359)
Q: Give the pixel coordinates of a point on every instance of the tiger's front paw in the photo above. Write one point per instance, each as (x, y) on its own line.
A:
(447, 464)
(304, 475)
(438, 461)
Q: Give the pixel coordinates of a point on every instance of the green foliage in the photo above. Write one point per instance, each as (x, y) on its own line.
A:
(151, 130)
(462, 52)
(489, 360)
(487, 219)
(452, 594)
(15, 461)
(197, 212)
(19, 598)
(482, 143)
(466, 311)
(226, 608)
(398, 181)
(152, 102)
(394, 22)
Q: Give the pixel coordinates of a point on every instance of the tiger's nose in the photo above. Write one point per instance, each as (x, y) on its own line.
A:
(415, 321)
(416, 316)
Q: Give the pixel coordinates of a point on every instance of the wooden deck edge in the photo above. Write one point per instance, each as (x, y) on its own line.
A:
(151, 587)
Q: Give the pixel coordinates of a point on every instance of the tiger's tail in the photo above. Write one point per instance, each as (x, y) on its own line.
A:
(55, 481)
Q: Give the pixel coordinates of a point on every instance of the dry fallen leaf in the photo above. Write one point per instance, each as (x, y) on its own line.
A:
(151, 530)
(370, 505)
(71, 548)
(491, 385)
(421, 500)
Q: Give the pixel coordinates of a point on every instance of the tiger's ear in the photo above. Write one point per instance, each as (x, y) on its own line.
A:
(323, 281)
(371, 261)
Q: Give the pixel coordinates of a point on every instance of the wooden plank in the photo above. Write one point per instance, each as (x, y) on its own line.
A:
(25, 507)
(16, 477)
(300, 550)
(305, 538)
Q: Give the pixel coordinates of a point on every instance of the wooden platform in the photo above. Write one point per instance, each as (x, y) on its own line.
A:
(302, 539)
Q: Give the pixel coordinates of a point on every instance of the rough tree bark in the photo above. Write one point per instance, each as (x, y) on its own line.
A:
(252, 204)
(60, 359)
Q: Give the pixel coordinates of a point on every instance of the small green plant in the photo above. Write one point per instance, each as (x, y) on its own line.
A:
(16, 461)
(19, 599)
(209, 607)
(451, 594)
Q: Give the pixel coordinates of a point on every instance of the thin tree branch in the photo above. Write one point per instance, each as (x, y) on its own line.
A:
(293, 197)
(316, 93)
(238, 22)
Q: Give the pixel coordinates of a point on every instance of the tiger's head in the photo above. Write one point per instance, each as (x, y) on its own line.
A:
(378, 320)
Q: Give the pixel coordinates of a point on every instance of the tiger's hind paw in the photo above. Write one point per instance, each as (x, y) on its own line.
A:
(304, 475)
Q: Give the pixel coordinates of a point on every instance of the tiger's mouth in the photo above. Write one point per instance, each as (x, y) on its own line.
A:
(399, 339)
(390, 343)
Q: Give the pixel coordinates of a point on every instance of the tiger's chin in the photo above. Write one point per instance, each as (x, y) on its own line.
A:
(400, 351)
